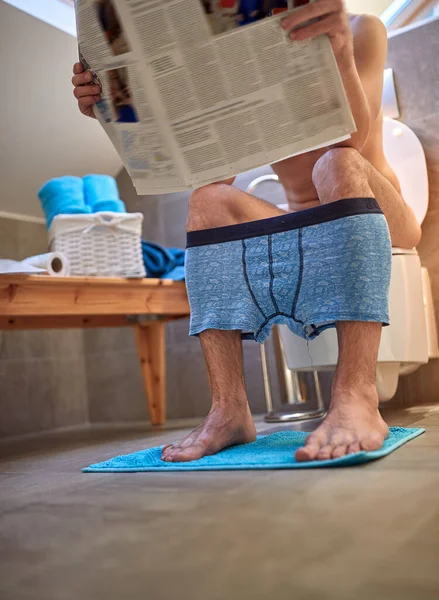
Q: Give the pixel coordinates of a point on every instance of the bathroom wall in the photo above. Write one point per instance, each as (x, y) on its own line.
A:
(413, 54)
(42, 133)
(42, 373)
(374, 7)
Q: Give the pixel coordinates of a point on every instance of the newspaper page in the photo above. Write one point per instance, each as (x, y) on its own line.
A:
(195, 91)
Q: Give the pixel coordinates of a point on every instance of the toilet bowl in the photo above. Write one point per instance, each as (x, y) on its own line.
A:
(411, 338)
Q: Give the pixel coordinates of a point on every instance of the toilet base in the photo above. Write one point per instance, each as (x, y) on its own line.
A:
(296, 415)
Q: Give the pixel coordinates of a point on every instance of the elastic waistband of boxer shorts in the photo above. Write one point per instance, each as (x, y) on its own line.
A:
(287, 222)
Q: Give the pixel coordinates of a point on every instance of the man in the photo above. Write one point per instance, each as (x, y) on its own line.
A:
(357, 168)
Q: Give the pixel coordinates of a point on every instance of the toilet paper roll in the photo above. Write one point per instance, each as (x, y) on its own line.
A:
(55, 263)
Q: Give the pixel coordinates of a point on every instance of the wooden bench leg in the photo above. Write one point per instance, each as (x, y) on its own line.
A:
(150, 341)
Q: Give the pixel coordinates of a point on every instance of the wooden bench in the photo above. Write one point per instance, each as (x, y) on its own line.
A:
(43, 302)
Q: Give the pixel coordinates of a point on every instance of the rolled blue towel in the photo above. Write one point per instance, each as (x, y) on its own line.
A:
(62, 195)
(65, 210)
(101, 194)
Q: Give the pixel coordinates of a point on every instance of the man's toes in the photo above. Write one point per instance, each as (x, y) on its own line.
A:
(354, 448)
(372, 442)
(324, 453)
(309, 450)
(171, 452)
(187, 442)
(339, 451)
(167, 450)
(341, 438)
(188, 454)
(306, 453)
(171, 449)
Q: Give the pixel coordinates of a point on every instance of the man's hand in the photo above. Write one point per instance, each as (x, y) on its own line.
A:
(332, 20)
(86, 92)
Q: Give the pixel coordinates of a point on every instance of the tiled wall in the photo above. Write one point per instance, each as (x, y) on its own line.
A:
(413, 55)
(42, 373)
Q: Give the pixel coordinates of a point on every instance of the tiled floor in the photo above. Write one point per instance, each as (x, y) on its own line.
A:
(368, 532)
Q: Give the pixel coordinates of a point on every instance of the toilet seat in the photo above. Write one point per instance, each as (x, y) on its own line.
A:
(403, 251)
(406, 157)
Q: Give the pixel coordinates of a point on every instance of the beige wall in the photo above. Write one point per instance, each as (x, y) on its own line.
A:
(42, 134)
(374, 7)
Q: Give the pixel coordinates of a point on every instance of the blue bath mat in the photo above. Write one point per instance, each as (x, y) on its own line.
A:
(275, 451)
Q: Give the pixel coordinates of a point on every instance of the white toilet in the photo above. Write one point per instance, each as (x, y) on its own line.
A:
(411, 338)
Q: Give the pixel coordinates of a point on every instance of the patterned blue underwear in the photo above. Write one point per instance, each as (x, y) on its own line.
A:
(306, 270)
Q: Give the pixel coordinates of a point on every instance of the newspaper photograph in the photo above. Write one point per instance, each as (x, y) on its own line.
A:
(196, 91)
(225, 15)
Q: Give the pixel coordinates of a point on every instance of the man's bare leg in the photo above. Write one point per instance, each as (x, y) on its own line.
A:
(229, 421)
(353, 422)
(343, 173)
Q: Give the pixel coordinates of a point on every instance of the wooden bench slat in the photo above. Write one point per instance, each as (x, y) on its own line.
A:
(51, 296)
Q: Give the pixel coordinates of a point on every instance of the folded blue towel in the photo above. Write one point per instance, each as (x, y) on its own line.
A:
(62, 195)
(275, 451)
(163, 263)
(101, 194)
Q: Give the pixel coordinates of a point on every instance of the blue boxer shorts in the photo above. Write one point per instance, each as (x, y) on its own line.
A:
(306, 270)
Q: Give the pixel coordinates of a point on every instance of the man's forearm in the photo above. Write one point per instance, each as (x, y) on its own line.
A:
(357, 101)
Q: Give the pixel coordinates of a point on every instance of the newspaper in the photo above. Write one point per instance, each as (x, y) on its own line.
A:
(196, 91)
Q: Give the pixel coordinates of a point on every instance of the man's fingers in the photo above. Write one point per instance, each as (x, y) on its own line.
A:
(314, 29)
(311, 11)
(87, 102)
(82, 78)
(83, 91)
(86, 92)
(77, 68)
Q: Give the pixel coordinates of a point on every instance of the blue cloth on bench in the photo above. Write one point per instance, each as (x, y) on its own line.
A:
(163, 263)
(275, 451)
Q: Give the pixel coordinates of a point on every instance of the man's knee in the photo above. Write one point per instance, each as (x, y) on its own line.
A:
(207, 204)
(338, 168)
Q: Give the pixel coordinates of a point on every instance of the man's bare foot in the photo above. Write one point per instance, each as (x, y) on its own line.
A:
(223, 427)
(353, 424)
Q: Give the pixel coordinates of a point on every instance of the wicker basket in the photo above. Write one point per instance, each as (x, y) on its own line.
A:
(103, 244)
